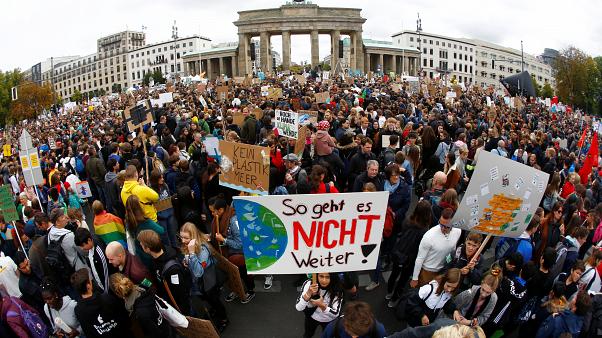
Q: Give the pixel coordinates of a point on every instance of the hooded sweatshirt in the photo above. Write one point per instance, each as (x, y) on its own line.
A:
(174, 276)
(68, 245)
(146, 195)
(323, 143)
(565, 321)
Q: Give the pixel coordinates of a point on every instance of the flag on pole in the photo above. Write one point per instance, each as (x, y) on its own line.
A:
(582, 139)
(591, 160)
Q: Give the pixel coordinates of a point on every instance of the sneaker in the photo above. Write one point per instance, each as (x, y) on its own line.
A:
(393, 303)
(232, 296)
(268, 282)
(221, 326)
(389, 295)
(372, 286)
(248, 297)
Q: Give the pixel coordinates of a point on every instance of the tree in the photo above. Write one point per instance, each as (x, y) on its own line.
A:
(8, 80)
(33, 98)
(547, 90)
(537, 86)
(326, 67)
(157, 77)
(577, 79)
(296, 69)
(116, 88)
(77, 96)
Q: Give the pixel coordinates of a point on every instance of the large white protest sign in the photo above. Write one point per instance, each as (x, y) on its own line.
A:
(287, 123)
(501, 198)
(290, 234)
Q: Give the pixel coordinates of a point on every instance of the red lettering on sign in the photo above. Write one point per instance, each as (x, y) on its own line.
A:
(298, 230)
(369, 219)
(333, 243)
(344, 232)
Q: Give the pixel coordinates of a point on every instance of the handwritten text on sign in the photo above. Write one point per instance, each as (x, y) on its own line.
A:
(311, 233)
(287, 123)
(245, 167)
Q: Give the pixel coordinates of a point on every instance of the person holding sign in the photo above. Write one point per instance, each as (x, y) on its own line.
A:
(320, 300)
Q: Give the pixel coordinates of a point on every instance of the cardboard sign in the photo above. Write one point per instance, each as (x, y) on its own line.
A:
(323, 97)
(300, 78)
(245, 167)
(83, 189)
(51, 143)
(138, 116)
(201, 88)
(7, 204)
(222, 93)
(518, 103)
(197, 328)
(384, 141)
(274, 93)
(501, 198)
(166, 97)
(308, 116)
(301, 140)
(291, 234)
(458, 90)
(239, 79)
(396, 87)
(287, 123)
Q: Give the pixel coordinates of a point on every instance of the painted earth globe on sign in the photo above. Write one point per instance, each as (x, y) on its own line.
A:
(266, 235)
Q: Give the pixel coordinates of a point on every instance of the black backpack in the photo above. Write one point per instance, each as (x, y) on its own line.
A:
(56, 259)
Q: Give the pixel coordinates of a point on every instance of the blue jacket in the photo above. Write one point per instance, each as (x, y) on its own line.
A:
(565, 321)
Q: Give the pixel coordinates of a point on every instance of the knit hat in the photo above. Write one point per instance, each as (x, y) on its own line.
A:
(323, 125)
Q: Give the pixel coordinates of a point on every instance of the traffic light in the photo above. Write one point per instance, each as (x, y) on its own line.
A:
(492, 64)
(340, 49)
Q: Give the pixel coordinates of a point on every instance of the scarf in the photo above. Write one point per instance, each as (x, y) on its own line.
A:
(391, 188)
(131, 298)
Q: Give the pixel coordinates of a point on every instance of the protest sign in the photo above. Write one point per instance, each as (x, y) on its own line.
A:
(239, 79)
(301, 140)
(323, 97)
(138, 116)
(308, 116)
(300, 78)
(166, 97)
(501, 198)
(274, 93)
(222, 93)
(396, 87)
(265, 90)
(385, 142)
(83, 189)
(245, 167)
(211, 145)
(30, 161)
(7, 204)
(51, 143)
(6, 150)
(458, 90)
(201, 88)
(287, 123)
(291, 234)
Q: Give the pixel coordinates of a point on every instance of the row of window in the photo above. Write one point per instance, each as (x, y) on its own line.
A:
(148, 52)
(442, 43)
(139, 76)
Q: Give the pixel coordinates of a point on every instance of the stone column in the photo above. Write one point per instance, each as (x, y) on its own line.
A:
(335, 36)
(243, 54)
(233, 65)
(359, 51)
(222, 70)
(315, 48)
(368, 66)
(209, 70)
(381, 61)
(394, 64)
(264, 51)
(286, 50)
(406, 65)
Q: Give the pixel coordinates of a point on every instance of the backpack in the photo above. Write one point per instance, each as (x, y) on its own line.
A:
(561, 252)
(389, 222)
(79, 165)
(507, 246)
(56, 259)
(401, 311)
(34, 323)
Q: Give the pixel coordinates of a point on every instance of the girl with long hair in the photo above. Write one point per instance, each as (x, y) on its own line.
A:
(199, 257)
(166, 216)
(316, 181)
(550, 231)
(136, 221)
(423, 307)
(320, 302)
(475, 305)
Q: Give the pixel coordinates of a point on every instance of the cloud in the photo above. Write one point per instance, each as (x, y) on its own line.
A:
(40, 29)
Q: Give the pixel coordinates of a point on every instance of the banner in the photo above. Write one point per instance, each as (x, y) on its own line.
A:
(7, 204)
(501, 198)
(211, 145)
(287, 123)
(245, 167)
(83, 189)
(293, 234)
(274, 93)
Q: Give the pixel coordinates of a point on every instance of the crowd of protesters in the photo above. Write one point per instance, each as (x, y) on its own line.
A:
(161, 224)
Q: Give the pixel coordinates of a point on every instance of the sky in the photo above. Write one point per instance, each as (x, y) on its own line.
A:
(38, 29)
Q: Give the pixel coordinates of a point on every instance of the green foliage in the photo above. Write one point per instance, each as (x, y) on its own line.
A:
(157, 77)
(8, 80)
(296, 69)
(77, 96)
(547, 90)
(33, 99)
(578, 79)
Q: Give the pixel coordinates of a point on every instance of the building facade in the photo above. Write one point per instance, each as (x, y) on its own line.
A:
(166, 57)
(104, 71)
(471, 61)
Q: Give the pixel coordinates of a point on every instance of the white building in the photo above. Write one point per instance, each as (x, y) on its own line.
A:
(471, 60)
(166, 57)
(104, 71)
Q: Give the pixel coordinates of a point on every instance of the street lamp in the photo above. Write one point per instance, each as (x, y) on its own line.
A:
(174, 36)
(419, 31)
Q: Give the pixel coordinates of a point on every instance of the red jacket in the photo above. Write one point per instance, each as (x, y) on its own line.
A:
(322, 189)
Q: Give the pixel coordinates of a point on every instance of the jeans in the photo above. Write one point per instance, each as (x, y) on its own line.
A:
(167, 220)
